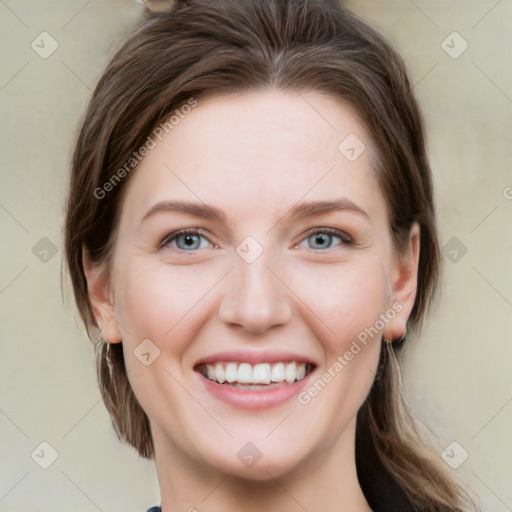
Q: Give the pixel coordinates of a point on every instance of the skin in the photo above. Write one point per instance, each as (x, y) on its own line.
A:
(254, 156)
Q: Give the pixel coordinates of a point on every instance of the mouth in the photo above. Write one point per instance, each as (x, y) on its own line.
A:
(254, 380)
(255, 377)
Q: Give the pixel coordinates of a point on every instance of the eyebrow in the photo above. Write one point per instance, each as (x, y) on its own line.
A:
(300, 211)
(196, 209)
(314, 208)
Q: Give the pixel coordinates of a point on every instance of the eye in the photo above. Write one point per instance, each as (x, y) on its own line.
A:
(326, 238)
(186, 240)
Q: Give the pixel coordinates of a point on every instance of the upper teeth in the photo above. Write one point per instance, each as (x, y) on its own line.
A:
(261, 373)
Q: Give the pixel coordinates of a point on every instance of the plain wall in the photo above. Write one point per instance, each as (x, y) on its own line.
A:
(457, 372)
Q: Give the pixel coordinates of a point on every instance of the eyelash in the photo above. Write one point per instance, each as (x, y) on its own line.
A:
(187, 231)
(344, 237)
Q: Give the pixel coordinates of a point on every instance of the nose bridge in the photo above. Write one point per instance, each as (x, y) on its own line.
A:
(255, 299)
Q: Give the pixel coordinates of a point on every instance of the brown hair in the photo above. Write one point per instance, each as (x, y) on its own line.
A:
(205, 48)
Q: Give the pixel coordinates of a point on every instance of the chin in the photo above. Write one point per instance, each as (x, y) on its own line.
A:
(252, 464)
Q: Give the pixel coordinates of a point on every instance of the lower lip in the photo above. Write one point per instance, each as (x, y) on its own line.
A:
(255, 399)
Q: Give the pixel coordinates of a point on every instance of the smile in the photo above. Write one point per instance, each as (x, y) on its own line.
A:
(255, 376)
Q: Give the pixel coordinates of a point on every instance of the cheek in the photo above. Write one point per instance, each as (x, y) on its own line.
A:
(346, 303)
(346, 299)
(158, 302)
(167, 306)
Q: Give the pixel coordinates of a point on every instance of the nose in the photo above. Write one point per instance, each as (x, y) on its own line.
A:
(255, 298)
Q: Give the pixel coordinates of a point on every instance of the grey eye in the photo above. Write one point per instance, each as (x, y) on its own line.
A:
(188, 242)
(321, 240)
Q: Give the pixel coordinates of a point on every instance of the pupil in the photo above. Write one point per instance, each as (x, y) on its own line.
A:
(321, 239)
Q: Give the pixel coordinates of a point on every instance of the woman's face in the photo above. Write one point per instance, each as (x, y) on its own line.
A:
(252, 340)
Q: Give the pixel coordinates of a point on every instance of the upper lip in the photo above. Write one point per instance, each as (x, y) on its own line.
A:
(254, 357)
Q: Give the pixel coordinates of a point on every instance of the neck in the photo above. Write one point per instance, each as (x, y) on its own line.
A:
(325, 480)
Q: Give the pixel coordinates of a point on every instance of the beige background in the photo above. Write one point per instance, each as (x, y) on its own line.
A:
(458, 373)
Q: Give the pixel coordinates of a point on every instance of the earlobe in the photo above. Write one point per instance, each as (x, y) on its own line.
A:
(98, 287)
(404, 284)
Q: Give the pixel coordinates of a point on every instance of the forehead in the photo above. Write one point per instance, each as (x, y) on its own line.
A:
(263, 149)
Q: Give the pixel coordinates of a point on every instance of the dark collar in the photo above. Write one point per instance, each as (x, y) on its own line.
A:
(381, 491)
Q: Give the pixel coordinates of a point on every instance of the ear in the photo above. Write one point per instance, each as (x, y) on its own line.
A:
(403, 286)
(100, 296)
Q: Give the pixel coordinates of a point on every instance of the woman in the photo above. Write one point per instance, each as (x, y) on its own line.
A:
(250, 236)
